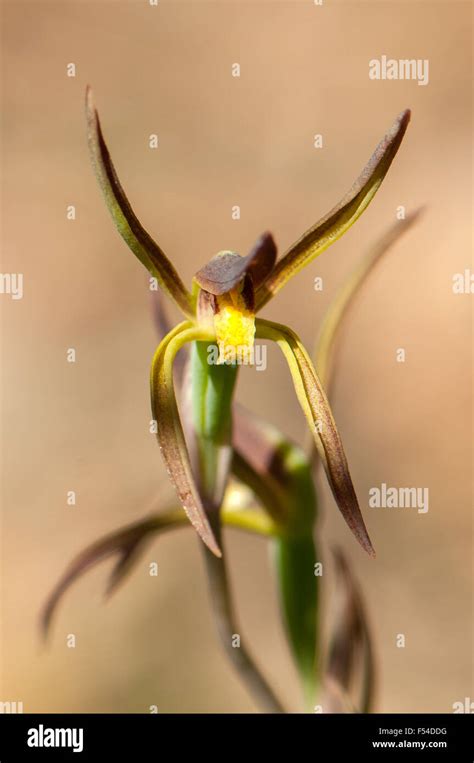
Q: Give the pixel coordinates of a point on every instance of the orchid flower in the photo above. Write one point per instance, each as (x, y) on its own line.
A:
(214, 447)
(228, 293)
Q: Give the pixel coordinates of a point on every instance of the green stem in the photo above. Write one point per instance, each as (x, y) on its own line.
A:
(212, 392)
(228, 630)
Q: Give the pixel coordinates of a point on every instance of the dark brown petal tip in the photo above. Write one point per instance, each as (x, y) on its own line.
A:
(333, 225)
(317, 410)
(350, 646)
(125, 219)
(124, 544)
(262, 258)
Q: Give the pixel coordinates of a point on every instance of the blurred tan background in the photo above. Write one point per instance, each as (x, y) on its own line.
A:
(84, 426)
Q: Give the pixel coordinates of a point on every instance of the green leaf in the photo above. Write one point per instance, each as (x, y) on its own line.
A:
(333, 225)
(278, 473)
(298, 589)
(127, 223)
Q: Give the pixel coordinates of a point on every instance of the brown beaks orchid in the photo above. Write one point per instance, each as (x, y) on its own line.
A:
(221, 311)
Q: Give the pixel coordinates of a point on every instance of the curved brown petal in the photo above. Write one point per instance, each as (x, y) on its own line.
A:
(124, 543)
(332, 321)
(333, 225)
(128, 542)
(324, 354)
(227, 269)
(350, 647)
(316, 408)
(170, 432)
(127, 223)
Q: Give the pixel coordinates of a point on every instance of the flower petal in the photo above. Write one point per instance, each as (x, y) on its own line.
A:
(137, 238)
(316, 408)
(262, 258)
(350, 648)
(325, 344)
(324, 353)
(333, 225)
(222, 274)
(170, 432)
(125, 543)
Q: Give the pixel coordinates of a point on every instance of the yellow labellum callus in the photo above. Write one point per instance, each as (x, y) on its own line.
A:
(227, 298)
(234, 325)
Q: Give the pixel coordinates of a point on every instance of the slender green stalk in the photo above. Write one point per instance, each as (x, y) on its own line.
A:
(228, 629)
(212, 389)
